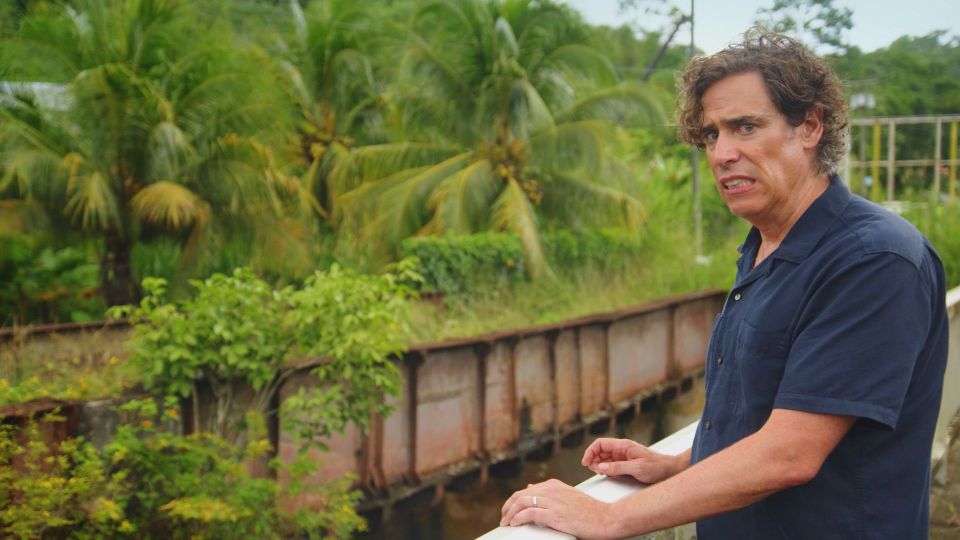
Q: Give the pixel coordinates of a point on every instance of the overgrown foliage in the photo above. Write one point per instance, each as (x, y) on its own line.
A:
(237, 334)
(150, 483)
(40, 283)
(182, 138)
(469, 263)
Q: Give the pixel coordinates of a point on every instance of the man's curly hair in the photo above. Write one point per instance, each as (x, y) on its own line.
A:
(797, 80)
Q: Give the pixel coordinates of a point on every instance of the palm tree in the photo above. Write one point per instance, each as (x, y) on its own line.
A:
(511, 117)
(156, 133)
(327, 71)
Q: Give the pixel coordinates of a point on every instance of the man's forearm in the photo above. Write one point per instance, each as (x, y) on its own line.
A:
(680, 462)
(774, 458)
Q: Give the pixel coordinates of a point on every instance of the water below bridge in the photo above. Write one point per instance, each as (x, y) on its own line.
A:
(468, 510)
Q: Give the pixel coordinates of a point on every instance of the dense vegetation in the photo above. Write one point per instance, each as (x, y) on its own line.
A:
(244, 175)
(176, 139)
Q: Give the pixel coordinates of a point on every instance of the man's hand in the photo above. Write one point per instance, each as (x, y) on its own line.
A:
(616, 457)
(561, 507)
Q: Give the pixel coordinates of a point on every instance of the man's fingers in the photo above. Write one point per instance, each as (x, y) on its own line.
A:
(519, 504)
(614, 468)
(510, 502)
(591, 453)
(603, 449)
(535, 515)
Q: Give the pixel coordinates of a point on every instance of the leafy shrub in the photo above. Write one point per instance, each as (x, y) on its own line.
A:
(148, 483)
(469, 263)
(49, 493)
(39, 283)
(455, 264)
(237, 332)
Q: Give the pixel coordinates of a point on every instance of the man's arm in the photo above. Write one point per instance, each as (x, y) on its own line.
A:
(787, 451)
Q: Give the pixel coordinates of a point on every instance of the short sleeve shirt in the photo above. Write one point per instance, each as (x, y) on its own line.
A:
(846, 317)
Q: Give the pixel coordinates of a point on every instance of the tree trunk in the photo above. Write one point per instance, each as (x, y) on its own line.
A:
(117, 282)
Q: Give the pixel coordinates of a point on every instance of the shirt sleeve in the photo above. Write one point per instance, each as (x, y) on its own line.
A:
(858, 340)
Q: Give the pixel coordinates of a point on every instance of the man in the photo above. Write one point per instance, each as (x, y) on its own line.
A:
(825, 367)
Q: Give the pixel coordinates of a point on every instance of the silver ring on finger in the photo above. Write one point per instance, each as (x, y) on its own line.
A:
(534, 500)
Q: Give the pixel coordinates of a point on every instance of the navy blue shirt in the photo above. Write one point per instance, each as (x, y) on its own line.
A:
(846, 317)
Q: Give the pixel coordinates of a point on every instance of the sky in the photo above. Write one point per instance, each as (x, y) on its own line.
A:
(876, 23)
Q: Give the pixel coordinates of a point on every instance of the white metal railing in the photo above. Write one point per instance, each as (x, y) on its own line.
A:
(950, 402)
(613, 489)
(600, 487)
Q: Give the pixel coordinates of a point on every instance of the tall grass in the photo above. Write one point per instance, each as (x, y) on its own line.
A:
(941, 225)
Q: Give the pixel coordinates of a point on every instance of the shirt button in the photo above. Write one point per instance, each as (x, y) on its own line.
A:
(707, 424)
(736, 297)
(719, 360)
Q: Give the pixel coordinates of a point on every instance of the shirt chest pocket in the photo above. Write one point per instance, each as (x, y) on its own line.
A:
(761, 361)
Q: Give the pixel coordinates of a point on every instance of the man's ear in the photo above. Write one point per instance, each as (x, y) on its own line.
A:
(811, 130)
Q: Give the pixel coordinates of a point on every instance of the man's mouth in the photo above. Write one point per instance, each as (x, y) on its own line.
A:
(735, 183)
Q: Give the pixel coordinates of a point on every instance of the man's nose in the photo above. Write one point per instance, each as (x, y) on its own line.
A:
(725, 150)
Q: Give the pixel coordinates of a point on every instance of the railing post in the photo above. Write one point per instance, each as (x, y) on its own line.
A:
(891, 158)
(953, 161)
(937, 150)
(875, 164)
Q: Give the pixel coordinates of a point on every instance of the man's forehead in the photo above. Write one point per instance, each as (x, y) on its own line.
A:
(740, 96)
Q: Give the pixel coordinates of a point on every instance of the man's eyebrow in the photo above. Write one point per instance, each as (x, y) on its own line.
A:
(745, 119)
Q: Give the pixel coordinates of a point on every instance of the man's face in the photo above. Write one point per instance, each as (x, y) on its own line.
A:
(763, 166)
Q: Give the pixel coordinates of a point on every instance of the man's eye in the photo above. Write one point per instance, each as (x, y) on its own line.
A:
(710, 136)
(747, 128)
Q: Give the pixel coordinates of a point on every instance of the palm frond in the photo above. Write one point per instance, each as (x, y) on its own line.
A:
(299, 23)
(422, 61)
(530, 112)
(378, 161)
(579, 146)
(22, 118)
(461, 201)
(579, 202)
(622, 104)
(231, 176)
(512, 211)
(37, 175)
(169, 152)
(91, 202)
(506, 42)
(295, 85)
(169, 205)
(396, 207)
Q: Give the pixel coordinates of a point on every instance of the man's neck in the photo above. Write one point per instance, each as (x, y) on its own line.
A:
(773, 232)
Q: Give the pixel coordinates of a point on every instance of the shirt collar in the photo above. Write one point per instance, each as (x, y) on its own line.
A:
(809, 229)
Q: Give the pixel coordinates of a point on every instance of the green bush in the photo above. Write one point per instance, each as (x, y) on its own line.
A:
(149, 483)
(237, 332)
(40, 283)
(469, 263)
(457, 264)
